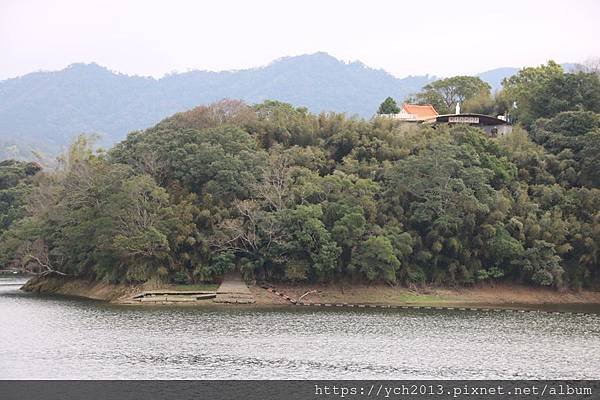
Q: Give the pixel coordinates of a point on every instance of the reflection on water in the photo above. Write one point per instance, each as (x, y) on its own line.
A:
(52, 338)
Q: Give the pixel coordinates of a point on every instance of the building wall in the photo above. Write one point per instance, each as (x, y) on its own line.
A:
(403, 115)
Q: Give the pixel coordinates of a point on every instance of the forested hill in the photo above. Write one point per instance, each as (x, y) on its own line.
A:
(45, 110)
(286, 195)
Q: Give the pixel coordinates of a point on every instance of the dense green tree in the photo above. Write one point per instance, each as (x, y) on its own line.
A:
(573, 136)
(542, 92)
(221, 162)
(389, 106)
(445, 93)
(375, 260)
(15, 187)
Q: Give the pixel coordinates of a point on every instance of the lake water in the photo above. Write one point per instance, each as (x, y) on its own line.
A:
(43, 337)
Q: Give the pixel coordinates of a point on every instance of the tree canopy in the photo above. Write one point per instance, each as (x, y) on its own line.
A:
(389, 106)
(445, 93)
(541, 92)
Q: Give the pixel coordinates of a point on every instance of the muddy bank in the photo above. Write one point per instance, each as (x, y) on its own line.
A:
(354, 294)
(499, 294)
(489, 296)
(67, 286)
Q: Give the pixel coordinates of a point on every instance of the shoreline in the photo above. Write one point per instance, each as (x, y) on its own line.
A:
(500, 296)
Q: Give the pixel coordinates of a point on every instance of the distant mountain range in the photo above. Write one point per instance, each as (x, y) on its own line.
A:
(43, 110)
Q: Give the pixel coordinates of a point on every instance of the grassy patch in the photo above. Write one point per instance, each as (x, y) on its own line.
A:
(425, 298)
(403, 298)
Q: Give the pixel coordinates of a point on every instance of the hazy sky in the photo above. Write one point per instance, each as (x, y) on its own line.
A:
(403, 37)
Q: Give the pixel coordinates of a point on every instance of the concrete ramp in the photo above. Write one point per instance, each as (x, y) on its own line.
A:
(233, 290)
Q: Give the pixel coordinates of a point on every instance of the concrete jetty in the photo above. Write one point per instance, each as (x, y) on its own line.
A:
(234, 290)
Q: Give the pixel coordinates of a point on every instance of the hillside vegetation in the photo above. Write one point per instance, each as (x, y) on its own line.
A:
(286, 195)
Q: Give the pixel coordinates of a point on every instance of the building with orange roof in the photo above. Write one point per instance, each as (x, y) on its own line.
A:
(416, 112)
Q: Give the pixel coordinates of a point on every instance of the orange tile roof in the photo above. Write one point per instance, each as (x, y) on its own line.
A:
(424, 111)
